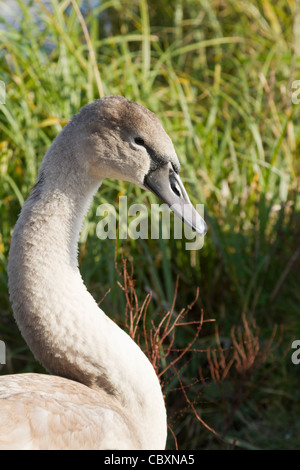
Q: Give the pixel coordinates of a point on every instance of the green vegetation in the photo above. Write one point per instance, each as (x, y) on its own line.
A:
(219, 76)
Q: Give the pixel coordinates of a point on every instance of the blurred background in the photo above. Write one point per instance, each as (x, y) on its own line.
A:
(220, 76)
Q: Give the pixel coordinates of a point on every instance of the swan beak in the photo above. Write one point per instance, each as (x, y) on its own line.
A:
(167, 185)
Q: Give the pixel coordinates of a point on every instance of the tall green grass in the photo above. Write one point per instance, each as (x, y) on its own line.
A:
(218, 75)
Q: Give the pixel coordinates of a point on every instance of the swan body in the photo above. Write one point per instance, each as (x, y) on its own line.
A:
(103, 392)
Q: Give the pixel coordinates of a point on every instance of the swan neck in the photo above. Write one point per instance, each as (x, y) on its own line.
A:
(61, 322)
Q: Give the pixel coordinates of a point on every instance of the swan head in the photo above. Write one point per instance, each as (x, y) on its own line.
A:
(123, 140)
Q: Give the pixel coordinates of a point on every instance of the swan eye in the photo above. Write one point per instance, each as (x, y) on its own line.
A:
(139, 141)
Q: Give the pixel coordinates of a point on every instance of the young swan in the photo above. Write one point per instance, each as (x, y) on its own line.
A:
(103, 392)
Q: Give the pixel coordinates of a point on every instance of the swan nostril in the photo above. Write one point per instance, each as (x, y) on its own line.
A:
(175, 188)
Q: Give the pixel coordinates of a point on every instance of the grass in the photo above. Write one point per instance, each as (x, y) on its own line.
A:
(219, 76)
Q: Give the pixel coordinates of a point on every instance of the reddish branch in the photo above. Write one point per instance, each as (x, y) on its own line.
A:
(245, 353)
